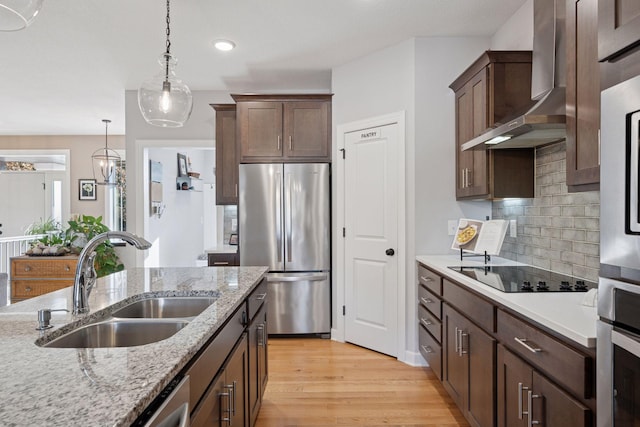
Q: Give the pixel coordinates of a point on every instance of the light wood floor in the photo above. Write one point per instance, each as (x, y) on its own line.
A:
(319, 382)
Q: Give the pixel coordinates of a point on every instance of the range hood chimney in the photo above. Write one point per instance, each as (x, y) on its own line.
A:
(543, 123)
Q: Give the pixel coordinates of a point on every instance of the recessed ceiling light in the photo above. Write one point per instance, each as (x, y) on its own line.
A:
(224, 45)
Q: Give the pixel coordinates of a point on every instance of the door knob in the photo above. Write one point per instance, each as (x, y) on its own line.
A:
(390, 252)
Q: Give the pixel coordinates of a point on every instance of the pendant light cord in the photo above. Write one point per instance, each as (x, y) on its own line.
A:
(106, 127)
(168, 53)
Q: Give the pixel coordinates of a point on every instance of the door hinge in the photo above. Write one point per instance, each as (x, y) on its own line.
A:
(344, 232)
(343, 152)
(344, 310)
(44, 186)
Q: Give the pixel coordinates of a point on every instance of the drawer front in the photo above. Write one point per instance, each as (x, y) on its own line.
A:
(33, 288)
(257, 298)
(43, 267)
(475, 308)
(222, 259)
(430, 322)
(431, 351)
(429, 279)
(430, 301)
(559, 361)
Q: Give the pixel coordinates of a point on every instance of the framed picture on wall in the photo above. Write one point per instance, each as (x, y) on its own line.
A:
(87, 189)
(182, 165)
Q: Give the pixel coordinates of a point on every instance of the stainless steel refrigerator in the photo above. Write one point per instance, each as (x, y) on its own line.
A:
(284, 212)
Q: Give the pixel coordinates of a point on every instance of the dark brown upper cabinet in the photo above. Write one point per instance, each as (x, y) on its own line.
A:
(583, 96)
(618, 28)
(492, 89)
(226, 155)
(283, 128)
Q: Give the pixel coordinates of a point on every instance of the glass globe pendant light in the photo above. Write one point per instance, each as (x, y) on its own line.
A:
(105, 161)
(165, 100)
(18, 14)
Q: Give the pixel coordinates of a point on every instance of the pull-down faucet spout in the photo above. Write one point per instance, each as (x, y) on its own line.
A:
(85, 271)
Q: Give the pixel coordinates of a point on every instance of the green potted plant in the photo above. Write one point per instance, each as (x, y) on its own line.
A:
(87, 227)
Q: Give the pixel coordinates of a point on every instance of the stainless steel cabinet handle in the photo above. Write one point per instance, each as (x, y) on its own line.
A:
(278, 217)
(220, 263)
(426, 279)
(426, 322)
(226, 419)
(462, 336)
(530, 420)
(233, 402)
(427, 349)
(27, 268)
(520, 412)
(260, 297)
(261, 334)
(288, 202)
(524, 341)
(457, 339)
(236, 190)
(290, 144)
(462, 178)
(279, 139)
(426, 300)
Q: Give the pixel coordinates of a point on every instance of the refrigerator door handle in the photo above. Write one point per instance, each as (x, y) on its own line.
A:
(288, 225)
(317, 278)
(278, 219)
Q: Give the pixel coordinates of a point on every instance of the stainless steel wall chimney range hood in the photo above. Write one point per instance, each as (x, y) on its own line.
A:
(543, 123)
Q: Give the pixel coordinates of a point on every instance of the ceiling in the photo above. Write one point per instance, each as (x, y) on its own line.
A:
(71, 67)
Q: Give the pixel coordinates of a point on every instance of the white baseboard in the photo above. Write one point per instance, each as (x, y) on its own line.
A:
(413, 358)
(336, 336)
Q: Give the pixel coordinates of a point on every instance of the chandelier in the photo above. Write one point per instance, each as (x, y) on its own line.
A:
(18, 14)
(105, 161)
(164, 100)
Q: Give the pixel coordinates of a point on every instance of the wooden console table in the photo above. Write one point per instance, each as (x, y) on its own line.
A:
(33, 276)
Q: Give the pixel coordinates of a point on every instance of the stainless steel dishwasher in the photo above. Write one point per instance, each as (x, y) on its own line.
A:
(170, 408)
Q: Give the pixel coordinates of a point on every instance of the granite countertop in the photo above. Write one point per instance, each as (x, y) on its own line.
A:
(222, 249)
(107, 386)
(561, 312)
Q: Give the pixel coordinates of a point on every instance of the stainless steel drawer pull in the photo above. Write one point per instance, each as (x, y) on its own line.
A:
(27, 268)
(221, 263)
(462, 336)
(427, 322)
(28, 289)
(530, 421)
(524, 341)
(457, 340)
(426, 300)
(426, 279)
(521, 412)
(260, 297)
(427, 349)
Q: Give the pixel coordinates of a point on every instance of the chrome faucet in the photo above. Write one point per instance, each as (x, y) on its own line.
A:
(85, 271)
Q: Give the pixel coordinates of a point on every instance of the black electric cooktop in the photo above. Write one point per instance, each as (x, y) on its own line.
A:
(525, 279)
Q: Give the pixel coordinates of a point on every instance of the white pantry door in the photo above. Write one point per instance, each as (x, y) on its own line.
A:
(371, 238)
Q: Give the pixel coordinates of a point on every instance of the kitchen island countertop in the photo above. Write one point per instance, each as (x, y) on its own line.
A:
(107, 386)
(562, 312)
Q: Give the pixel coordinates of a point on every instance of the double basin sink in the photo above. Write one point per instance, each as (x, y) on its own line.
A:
(141, 322)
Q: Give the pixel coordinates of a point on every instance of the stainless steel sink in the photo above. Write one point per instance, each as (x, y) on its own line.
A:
(165, 307)
(119, 333)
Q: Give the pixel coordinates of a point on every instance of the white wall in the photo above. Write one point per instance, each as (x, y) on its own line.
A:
(200, 127)
(414, 76)
(177, 236)
(517, 32)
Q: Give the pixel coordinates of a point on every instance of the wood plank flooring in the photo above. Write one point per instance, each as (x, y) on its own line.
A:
(319, 382)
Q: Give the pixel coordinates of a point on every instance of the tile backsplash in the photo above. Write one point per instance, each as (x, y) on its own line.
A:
(556, 230)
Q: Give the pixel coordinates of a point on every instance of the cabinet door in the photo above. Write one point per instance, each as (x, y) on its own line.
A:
(259, 130)
(583, 94)
(514, 380)
(618, 27)
(226, 157)
(255, 339)
(553, 407)
(464, 132)
(211, 410)
(235, 383)
(479, 347)
(454, 375)
(306, 130)
(263, 353)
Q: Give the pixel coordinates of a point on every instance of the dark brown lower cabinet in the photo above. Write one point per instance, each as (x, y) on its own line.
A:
(258, 368)
(469, 367)
(525, 397)
(224, 401)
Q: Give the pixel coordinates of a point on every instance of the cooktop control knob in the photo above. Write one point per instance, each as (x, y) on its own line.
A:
(526, 286)
(542, 286)
(580, 285)
(565, 286)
